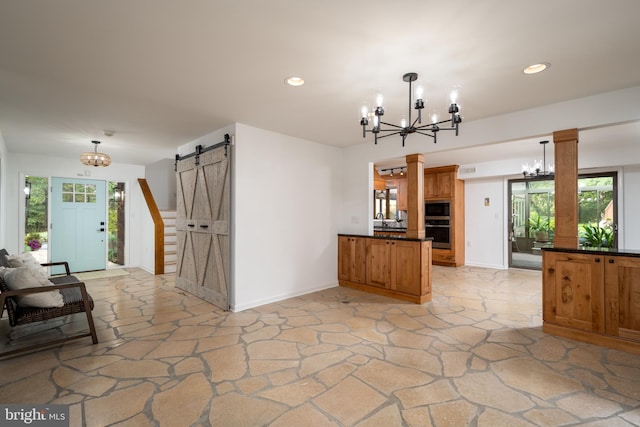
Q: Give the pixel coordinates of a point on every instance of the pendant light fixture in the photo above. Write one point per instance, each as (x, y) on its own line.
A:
(538, 169)
(94, 158)
(407, 126)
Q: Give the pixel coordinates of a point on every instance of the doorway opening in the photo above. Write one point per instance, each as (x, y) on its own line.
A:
(36, 224)
(115, 225)
(36, 236)
(532, 216)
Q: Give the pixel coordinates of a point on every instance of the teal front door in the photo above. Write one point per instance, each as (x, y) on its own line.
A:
(78, 224)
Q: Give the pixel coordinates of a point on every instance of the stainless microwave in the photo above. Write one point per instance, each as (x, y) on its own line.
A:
(437, 209)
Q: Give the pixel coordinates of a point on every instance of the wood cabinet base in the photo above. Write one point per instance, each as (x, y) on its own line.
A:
(592, 296)
(591, 338)
(417, 299)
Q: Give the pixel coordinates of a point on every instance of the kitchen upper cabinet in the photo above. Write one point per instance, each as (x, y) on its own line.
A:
(400, 185)
(439, 183)
(402, 194)
(352, 255)
(442, 183)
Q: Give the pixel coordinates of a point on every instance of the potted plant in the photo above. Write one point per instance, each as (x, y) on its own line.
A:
(597, 237)
(33, 241)
(539, 228)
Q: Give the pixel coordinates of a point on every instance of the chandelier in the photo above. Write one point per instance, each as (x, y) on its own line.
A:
(538, 169)
(93, 158)
(408, 127)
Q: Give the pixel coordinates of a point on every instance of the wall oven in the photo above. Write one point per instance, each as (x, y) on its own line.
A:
(437, 223)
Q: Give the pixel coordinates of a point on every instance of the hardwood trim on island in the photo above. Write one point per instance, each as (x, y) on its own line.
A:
(592, 295)
(395, 267)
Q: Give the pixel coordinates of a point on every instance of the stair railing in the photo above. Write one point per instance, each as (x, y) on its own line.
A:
(158, 226)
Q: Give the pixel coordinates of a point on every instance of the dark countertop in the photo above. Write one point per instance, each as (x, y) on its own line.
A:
(597, 251)
(388, 237)
(390, 229)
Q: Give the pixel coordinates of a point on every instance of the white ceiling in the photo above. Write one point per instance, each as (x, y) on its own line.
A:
(162, 73)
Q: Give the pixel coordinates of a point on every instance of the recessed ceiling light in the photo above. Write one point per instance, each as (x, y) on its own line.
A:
(536, 68)
(295, 81)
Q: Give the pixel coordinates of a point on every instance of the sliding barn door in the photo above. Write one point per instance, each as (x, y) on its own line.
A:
(203, 224)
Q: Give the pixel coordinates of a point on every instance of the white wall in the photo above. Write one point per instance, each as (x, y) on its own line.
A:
(629, 235)
(287, 204)
(485, 230)
(161, 178)
(18, 165)
(286, 196)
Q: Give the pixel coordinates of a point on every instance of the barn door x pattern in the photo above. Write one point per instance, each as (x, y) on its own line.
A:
(203, 223)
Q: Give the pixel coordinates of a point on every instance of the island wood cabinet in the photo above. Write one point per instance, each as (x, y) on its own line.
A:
(592, 297)
(442, 183)
(622, 297)
(352, 259)
(396, 268)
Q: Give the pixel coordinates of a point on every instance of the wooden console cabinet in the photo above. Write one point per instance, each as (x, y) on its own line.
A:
(394, 267)
(442, 183)
(592, 296)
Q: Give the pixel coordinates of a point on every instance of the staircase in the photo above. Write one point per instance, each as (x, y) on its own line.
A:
(170, 243)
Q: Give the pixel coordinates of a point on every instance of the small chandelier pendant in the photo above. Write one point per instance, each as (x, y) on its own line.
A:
(94, 158)
(408, 127)
(539, 169)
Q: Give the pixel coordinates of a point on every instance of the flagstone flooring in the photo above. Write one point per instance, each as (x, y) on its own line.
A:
(474, 356)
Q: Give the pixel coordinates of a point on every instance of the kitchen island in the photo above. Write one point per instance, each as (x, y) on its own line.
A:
(386, 264)
(592, 295)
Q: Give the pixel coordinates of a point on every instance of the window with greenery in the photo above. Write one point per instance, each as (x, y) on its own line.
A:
(116, 222)
(36, 212)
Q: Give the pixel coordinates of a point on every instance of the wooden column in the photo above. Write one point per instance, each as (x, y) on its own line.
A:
(566, 187)
(415, 196)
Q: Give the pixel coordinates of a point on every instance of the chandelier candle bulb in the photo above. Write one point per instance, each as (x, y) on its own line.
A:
(408, 125)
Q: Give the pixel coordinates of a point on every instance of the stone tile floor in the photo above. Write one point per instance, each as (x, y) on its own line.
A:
(475, 356)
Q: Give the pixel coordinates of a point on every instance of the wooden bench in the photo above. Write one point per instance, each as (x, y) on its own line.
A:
(75, 297)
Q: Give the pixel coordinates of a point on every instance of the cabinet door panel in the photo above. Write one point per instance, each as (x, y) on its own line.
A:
(378, 273)
(344, 258)
(622, 290)
(405, 267)
(444, 184)
(574, 291)
(429, 186)
(359, 272)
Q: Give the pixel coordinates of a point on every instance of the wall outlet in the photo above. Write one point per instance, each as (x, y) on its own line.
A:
(355, 220)
(469, 243)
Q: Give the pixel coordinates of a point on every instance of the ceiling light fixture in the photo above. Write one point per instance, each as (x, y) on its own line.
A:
(536, 68)
(408, 127)
(93, 158)
(295, 81)
(401, 168)
(538, 169)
